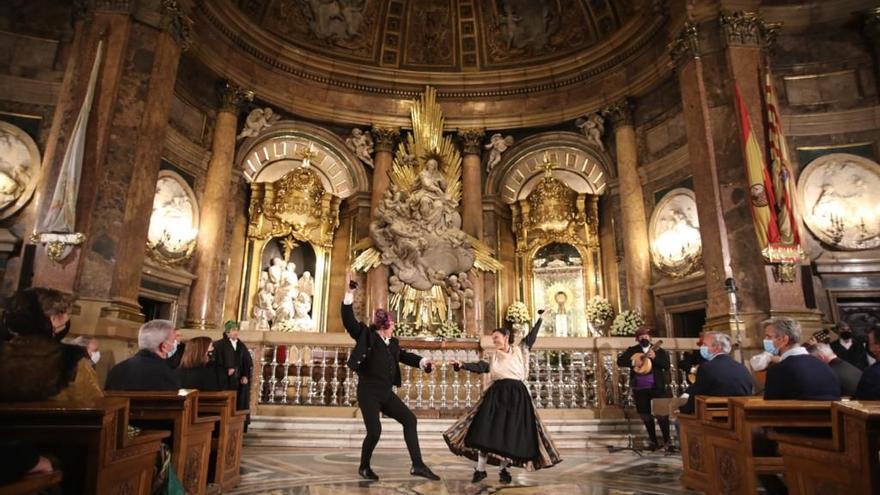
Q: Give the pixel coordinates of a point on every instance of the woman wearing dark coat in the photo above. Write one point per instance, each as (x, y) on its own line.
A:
(197, 368)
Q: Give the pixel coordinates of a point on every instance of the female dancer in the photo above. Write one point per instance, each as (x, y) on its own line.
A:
(503, 428)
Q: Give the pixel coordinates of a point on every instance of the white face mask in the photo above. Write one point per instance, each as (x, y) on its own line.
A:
(95, 357)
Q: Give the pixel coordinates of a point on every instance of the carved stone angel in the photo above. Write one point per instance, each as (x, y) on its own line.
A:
(257, 120)
(498, 145)
(361, 142)
(592, 126)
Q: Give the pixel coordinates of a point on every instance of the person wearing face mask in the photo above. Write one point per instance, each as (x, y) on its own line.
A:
(869, 385)
(850, 348)
(176, 353)
(720, 375)
(797, 376)
(90, 344)
(376, 358)
(504, 428)
(147, 370)
(198, 369)
(648, 386)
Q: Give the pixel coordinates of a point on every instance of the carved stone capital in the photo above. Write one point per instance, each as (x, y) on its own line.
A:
(232, 96)
(384, 137)
(686, 45)
(747, 28)
(472, 140)
(178, 24)
(620, 113)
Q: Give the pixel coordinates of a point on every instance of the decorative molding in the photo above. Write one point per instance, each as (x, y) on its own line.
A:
(232, 96)
(472, 140)
(822, 124)
(748, 28)
(685, 46)
(384, 138)
(620, 113)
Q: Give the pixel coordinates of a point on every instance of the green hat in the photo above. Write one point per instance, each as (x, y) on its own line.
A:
(229, 326)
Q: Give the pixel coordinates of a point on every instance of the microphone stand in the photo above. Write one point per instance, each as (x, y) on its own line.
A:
(630, 446)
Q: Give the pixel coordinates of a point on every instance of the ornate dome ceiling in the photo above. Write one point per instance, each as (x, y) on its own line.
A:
(441, 35)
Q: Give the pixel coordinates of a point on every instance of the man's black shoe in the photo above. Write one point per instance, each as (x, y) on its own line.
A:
(368, 474)
(424, 472)
(478, 476)
(504, 476)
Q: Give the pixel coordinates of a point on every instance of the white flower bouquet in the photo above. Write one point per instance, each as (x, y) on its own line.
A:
(626, 323)
(599, 311)
(517, 313)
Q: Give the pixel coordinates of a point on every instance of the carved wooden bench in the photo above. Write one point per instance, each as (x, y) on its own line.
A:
(227, 437)
(695, 470)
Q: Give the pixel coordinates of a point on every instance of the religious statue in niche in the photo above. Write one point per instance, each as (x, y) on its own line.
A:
(497, 145)
(674, 233)
(840, 194)
(257, 120)
(19, 162)
(284, 299)
(171, 237)
(361, 142)
(558, 284)
(592, 127)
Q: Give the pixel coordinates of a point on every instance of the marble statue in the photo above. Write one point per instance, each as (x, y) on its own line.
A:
(15, 167)
(264, 311)
(674, 233)
(284, 299)
(592, 127)
(361, 142)
(173, 222)
(257, 120)
(307, 284)
(335, 20)
(497, 145)
(276, 271)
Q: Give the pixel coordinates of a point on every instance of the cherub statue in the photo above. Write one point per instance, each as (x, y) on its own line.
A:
(592, 126)
(257, 120)
(361, 142)
(498, 145)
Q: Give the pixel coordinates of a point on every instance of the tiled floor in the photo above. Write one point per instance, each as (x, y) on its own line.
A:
(276, 471)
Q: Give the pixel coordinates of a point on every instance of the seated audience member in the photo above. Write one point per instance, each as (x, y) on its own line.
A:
(798, 375)
(869, 385)
(148, 370)
(43, 368)
(720, 375)
(90, 344)
(18, 460)
(847, 374)
(198, 369)
(849, 347)
(176, 353)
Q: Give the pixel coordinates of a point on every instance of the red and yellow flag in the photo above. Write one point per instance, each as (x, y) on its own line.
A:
(760, 186)
(780, 168)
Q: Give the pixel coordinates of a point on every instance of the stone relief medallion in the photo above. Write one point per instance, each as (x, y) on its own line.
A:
(674, 233)
(19, 168)
(174, 224)
(840, 200)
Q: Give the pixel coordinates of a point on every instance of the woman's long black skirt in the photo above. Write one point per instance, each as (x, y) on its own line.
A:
(505, 426)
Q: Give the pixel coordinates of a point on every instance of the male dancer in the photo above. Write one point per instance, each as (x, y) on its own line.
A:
(375, 358)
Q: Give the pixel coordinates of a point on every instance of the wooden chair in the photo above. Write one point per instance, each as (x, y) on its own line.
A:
(691, 432)
(847, 464)
(190, 433)
(92, 442)
(226, 442)
(33, 484)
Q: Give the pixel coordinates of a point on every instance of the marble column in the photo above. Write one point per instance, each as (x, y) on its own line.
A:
(710, 56)
(202, 313)
(472, 215)
(377, 278)
(123, 149)
(237, 253)
(637, 257)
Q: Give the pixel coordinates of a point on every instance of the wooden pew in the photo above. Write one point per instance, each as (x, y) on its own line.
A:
(34, 484)
(730, 444)
(691, 432)
(849, 464)
(226, 442)
(91, 441)
(190, 433)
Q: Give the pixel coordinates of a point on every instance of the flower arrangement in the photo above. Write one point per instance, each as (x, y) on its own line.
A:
(404, 329)
(449, 329)
(284, 326)
(599, 311)
(517, 313)
(626, 323)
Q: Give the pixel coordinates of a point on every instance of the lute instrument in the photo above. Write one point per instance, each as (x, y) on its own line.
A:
(646, 364)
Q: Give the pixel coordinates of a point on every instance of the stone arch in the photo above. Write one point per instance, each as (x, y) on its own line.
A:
(270, 154)
(581, 166)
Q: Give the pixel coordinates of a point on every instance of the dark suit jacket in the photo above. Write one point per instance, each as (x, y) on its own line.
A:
(869, 385)
(365, 338)
(238, 359)
(856, 355)
(210, 378)
(145, 371)
(719, 377)
(659, 368)
(801, 377)
(848, 376)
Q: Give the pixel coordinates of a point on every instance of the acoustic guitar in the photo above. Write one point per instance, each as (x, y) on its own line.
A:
(646, 365)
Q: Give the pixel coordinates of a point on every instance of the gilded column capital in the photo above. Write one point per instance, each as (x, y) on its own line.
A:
(384, 137)
(232, 96)
(686, 45)
(620, 113)
(472, 140)
(747, 28)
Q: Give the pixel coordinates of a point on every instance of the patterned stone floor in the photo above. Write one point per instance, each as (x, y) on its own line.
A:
(274, 471)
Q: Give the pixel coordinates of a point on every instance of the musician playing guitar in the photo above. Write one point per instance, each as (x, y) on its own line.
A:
(649, 365)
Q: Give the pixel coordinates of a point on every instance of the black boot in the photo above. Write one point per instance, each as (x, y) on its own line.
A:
(424, 472)
(504, 476)
(368, 474)
(478, 476)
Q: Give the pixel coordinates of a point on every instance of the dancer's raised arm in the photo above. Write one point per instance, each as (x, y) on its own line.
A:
(349, 321)
(530, 339)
